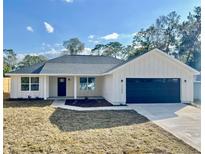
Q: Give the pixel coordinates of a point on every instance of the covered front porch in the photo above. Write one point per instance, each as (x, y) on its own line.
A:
(73, 87)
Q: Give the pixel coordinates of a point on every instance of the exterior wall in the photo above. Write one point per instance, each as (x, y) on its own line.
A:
(16, 88)
(53, 89)
(107, 87)
(53, 82)
(152, 65)
(197, 90)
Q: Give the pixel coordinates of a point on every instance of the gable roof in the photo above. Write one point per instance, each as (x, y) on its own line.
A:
(88, 64)
(194, 71)
(72, 64)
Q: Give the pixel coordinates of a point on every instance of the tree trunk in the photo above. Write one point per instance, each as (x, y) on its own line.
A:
(187, 59)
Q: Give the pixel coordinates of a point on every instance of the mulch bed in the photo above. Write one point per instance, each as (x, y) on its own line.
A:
(88, 102)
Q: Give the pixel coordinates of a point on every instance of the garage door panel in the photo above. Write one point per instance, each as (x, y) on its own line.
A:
(151, 90)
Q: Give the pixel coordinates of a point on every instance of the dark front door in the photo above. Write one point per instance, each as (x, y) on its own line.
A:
(61, 86)
(153, 90)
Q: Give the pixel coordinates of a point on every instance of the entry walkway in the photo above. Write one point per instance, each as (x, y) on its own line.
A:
(60, 103)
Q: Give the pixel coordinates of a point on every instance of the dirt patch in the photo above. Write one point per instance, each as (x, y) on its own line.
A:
(43, 129)
(88, 102)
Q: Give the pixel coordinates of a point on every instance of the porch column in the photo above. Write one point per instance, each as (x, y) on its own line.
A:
(46, 88)
(75, 87)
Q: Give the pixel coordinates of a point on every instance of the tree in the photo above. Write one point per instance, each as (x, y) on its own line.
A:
(143, 41)
(98, 49)
(167, 32)
(114, 49)
(163, 35)
(129, 52)
(10, 58)
(73, 46)
(30, 60)
(6, 69)
(190, 42)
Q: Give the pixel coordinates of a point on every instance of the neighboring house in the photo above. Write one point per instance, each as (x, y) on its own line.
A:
(154, 77)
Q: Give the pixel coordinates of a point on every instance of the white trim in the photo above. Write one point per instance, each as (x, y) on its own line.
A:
(29, 88)
(45, 88)
(75, 87)
(87, 77)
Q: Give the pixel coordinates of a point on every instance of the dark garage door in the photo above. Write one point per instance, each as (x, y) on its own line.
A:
(152, 90)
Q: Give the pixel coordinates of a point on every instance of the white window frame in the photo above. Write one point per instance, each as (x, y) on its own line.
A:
(34, 83)
(25, 83)
(30, 84)
(87, 89)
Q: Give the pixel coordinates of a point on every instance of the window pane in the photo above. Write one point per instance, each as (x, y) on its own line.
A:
(34, 79)
(34, 87)
(83, 83)
(25, 80)
(25, 87)
(91, 83)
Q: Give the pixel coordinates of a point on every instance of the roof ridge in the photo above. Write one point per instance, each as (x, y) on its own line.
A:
(99, 56)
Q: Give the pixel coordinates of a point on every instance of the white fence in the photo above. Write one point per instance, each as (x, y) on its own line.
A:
(197, 90)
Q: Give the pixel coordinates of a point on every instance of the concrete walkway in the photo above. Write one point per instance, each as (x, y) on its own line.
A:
(61, 104)
(183, 121)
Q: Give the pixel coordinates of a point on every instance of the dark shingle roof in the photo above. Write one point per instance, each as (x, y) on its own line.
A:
(72, 64)
(33, 69)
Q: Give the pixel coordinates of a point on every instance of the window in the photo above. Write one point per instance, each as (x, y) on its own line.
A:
(83, 83)
(34, 83)
(91, 83)
(87, 83)
(24, 83)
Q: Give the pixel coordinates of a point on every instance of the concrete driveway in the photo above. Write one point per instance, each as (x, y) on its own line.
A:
(183, 121)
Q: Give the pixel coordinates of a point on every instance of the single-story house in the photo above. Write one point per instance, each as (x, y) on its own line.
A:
(154, 77)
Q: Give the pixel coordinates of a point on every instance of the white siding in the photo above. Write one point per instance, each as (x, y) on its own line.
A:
(152, 65)
(197, 90)
(16, 88)
(107, 88)
(52, 86)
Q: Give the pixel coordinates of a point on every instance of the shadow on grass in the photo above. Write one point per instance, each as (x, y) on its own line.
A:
(26, 103)
(68, 120)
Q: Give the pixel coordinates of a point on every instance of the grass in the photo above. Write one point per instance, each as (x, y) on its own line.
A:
(35, 127)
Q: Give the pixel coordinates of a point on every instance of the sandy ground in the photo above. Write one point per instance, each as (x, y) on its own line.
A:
(35, 127)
